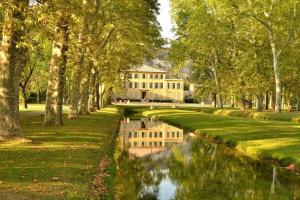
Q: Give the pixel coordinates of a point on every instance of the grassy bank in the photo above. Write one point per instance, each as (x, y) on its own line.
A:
(253, 114)
(58, 162)
(268, 139)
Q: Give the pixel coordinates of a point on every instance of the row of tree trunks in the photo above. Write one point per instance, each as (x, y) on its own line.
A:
(55, 88)
(84, 90)
(92, 91)
(12, 59)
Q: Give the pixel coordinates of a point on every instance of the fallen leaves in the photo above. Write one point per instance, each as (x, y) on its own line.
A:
(98, 183)
(55, 178)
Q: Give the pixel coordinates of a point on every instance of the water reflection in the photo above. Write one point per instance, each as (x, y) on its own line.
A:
(145, 137)
(162, 166)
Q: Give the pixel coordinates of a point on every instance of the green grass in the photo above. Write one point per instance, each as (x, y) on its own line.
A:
(259, 138)
(57, 162)
(253, 114)
(266, 115)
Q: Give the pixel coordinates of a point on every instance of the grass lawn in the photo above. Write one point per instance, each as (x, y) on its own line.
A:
(260, 138)
(236, 112)
(58, 162)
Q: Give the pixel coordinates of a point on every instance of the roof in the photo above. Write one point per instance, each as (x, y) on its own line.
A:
(146, 68)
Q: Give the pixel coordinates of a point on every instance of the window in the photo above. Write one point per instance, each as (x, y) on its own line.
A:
(178, 85)
(160, 134)
(151, 76)
(161, 85)
(129, 76)
(168, 85)
(173, 134)
(151, 85)
(155, 134)
(130, 85)
(136, 85)
(150, 134)
(144, 85)
(143, 144)
(156, 76)
(161, 76)
(173, 85)
(160, 143)
(156, 85)
(155, 143)
(143, 134)
(136, 76)
(129, 134)
(168, 134)
(178, 134)
(135, 134)
(144, 75)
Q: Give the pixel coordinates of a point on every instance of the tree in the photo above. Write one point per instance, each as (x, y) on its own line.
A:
(55, 88)
(12, 54)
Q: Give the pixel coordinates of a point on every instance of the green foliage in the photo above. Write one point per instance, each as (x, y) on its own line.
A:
(235, 38)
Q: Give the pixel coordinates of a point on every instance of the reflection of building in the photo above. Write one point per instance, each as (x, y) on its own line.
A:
(147, 137)
(150, 84)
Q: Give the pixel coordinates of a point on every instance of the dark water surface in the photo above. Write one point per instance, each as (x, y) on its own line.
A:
(158, 161)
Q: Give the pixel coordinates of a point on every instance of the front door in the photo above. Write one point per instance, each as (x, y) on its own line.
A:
(144, 94)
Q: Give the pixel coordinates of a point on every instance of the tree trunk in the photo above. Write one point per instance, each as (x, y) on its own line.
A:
(278, 93)
(24, 97)
(84, 90)
(292, 103)
(260, 102)
(232, 99)
(273, 102)
(243, 102)
(55, 88)
(92, 91)
(76, 79)
(218, 88)
(39, 97)
(267, 101)
(74, 109)
(214, 100)
(11, 62)
(98, 96)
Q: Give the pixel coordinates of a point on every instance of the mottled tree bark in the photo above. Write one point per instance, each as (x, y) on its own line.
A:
(11, 62)
(98, 96)
(92, 91)
(260, 102)
(76, 79)
(214, 100)
(218, 87)
(84, 90)
(267, 101)
(55, 88)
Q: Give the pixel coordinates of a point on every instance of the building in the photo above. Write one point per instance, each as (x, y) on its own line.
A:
(151, 84)
(146, 137)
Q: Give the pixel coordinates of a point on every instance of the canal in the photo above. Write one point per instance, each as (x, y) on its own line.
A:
(158, 161)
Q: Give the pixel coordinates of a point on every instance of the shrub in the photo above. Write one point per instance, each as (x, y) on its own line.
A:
(286, 161)
(219, 138)
(231, 143)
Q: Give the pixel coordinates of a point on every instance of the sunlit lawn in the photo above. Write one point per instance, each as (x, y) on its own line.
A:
(275, 139)
(58, 162)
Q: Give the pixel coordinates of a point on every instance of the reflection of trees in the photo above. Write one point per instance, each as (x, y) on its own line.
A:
(211, 173)
(136, 178)
(215, 174)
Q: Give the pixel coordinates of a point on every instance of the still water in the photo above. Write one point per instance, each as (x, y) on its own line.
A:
(158, 161)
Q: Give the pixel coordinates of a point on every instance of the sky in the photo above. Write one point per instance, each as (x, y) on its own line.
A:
(164, 19)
